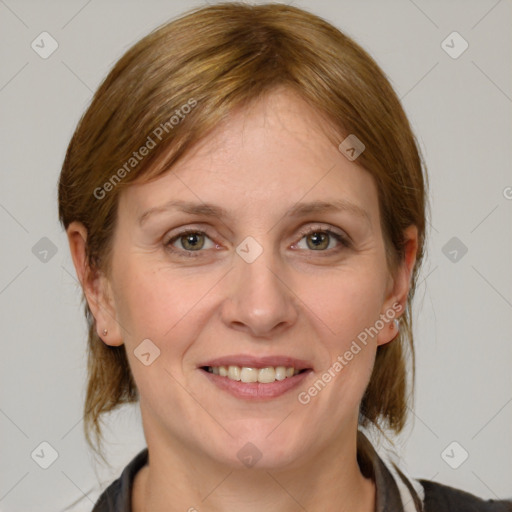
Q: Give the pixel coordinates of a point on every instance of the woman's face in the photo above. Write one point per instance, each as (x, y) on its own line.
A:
(264, 278)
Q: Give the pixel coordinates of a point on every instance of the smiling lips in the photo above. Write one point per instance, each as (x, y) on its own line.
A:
(250, 377)
(247, 374)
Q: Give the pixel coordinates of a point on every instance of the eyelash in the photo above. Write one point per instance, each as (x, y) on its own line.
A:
(345, 243)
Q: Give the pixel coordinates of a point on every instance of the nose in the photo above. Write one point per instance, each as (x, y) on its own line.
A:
(258, 300)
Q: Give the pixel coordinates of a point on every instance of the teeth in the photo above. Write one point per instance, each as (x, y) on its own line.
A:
(266, 375)
(234, 373)
(248, 374)
(280, 373)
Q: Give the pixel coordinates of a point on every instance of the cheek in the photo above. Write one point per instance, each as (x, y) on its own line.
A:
(143, 307)
(346, 302)
(151, 300)
(153, 305)
(168, 307)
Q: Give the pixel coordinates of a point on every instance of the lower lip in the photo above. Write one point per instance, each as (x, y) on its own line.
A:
(256, 390)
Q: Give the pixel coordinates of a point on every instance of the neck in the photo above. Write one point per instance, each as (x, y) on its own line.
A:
(177, 479)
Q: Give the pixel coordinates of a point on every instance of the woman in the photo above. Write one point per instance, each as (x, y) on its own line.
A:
(245, 205)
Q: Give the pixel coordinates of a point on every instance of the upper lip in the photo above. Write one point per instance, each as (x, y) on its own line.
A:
(258, 362)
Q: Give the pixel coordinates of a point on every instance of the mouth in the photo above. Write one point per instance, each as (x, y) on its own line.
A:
(256, 378)
(247, 374)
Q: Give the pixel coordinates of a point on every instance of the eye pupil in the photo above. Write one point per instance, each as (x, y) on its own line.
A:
(192, 240)
(318, 239)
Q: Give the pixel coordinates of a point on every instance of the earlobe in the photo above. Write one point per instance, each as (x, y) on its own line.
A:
(395, 304)
(95, 286)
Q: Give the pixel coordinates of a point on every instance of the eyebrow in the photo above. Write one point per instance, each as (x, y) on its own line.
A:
(297, 210)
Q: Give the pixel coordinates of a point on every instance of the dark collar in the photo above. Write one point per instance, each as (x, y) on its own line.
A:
(118, 496)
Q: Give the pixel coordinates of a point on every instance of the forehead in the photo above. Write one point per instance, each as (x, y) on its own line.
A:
(266, 157)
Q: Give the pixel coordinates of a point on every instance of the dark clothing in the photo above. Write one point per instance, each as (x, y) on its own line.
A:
(413, 495)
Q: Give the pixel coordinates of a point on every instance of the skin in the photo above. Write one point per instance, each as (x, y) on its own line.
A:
(293, 300)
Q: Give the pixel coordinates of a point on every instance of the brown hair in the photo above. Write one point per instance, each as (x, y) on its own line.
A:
(216, 59)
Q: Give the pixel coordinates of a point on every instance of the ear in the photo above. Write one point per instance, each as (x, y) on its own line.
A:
(95, 286)
(398, 288)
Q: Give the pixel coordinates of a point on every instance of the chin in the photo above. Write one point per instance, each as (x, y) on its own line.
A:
(261, 451)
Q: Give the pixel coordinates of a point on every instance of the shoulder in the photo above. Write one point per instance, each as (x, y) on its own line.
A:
(117, 497)
(108, 501)
(439, 498)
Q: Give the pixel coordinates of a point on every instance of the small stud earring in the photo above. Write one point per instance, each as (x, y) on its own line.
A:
(105, 332)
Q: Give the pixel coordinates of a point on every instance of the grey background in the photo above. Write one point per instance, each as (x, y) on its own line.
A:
(459, 108)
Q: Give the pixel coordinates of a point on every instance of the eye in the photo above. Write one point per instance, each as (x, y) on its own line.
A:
(323, 239)
(190, 241)
(317, 239)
